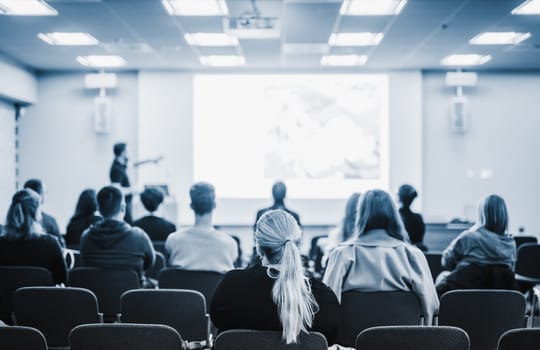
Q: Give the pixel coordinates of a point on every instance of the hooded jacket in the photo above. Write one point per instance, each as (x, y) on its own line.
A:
(113, 244)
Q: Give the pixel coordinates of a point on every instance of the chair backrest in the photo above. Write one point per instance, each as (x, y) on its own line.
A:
(159, 264)
(484, 314)
(412, 338)
(527, 262)
(55, 311)
(121, 336)
(521, 240)
(434, 263)
(362, 310)
(15, 277)
(159, 246)
(107, 285)
(183, 310)
(204, 282)
(21, 338)
(473, 276)
(244, 339)
(520, 339)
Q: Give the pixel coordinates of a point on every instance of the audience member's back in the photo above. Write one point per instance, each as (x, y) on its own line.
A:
(157, 228)
(84, 217)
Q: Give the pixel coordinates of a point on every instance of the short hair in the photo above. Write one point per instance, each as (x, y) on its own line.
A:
(407, 194)
(109, 200)
(493, 214)
(377, 211)
(118, 148)
(279, 191)
(203, 198)
(151, 198)
(36, 185)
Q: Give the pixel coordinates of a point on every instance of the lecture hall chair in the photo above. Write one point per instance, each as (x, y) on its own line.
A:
(244, 339)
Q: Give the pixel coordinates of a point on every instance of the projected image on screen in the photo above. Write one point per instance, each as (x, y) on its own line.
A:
(324, 135)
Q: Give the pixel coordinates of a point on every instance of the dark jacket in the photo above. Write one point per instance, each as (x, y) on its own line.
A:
(50, 226)
(243, 299)
(76, 226)
(158, 229)
(41, 250)
(414, 225)
(113, 244)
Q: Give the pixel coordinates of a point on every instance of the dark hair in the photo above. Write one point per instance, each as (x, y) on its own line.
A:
(86, 204)
(279, 191)
(377, 211)
(118, 148)
(407, 194)
(35, 185)
(494, 215)
(151, 198)
(203, 198)
(109, 201)
(351, 211)
(22, 215)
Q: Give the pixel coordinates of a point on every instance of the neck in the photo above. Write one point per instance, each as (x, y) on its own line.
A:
(279, 203)
(203, 221)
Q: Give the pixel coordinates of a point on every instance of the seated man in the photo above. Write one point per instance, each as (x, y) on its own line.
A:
(48, 222)
(202, 247)
(112, 243)
(157, 228)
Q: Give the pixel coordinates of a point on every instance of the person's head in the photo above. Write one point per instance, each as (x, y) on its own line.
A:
(86, 204)
(120, 151)
(279, 191)
(24, 214)
(111, 203)
(407, 194)
(203, 198)
(493, 214)
(349, 221)
(37, 186)
(377, 211)
(151, 198)
(277, 236)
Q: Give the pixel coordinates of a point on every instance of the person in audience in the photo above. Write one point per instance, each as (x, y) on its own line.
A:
(113, 243)
(276, 296)
(202, 247)
(23, 242)
(156, 227)
(85, 216)
(413, 222)
(48, 222)
(380, 258)
(482, 256)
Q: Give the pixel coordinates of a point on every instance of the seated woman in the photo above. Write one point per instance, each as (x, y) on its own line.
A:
(85, 216)
(380, 258)
(23, 241)
(276, 296)
(413, 222)
(484, 255)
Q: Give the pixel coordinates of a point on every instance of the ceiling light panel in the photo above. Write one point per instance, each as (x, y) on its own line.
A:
(355, 39)
(343, 60)
(223, 60)
(26, 8)
(531, 7)
(68, 39)
(499, 38)
(196, 7)
(465, 60)
(101, 61)
(210, 39)
(372, 7)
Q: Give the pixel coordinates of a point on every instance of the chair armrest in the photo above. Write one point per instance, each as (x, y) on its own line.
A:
(100, 316)
(436, 320)
(119, 318)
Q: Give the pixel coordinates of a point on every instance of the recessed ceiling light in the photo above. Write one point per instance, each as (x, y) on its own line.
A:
(223, 60)
(26, 8)
(355, 39)
(101, 61)
(530, 7)
(344, 60)
(196, 7)
(499, 38)
(210, 39)
(465, 60)
(68, 39)
(372, 7)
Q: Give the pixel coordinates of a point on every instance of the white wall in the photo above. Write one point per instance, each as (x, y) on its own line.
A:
(7, 157)
(58, 143)
(503, 137)
(16, 82)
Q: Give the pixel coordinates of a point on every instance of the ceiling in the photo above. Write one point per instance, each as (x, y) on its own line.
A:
(143, 33)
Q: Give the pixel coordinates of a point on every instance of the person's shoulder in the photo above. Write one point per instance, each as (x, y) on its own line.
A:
(322, 292)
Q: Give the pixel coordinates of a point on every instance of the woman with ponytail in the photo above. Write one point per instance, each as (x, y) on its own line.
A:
(23, 241)
(277, 295)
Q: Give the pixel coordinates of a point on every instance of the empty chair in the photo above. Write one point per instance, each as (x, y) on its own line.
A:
(527, 270)
(183, 310)
(521, 240)
(124, 337)
(107, 285)
(159, 264)
(434, 263)
(204, 282)
(55, 311)
(362, 310)
(484, 314)
(243, 339)
(14, 277)
(21, 338)
(412, 338)
(520, 339)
